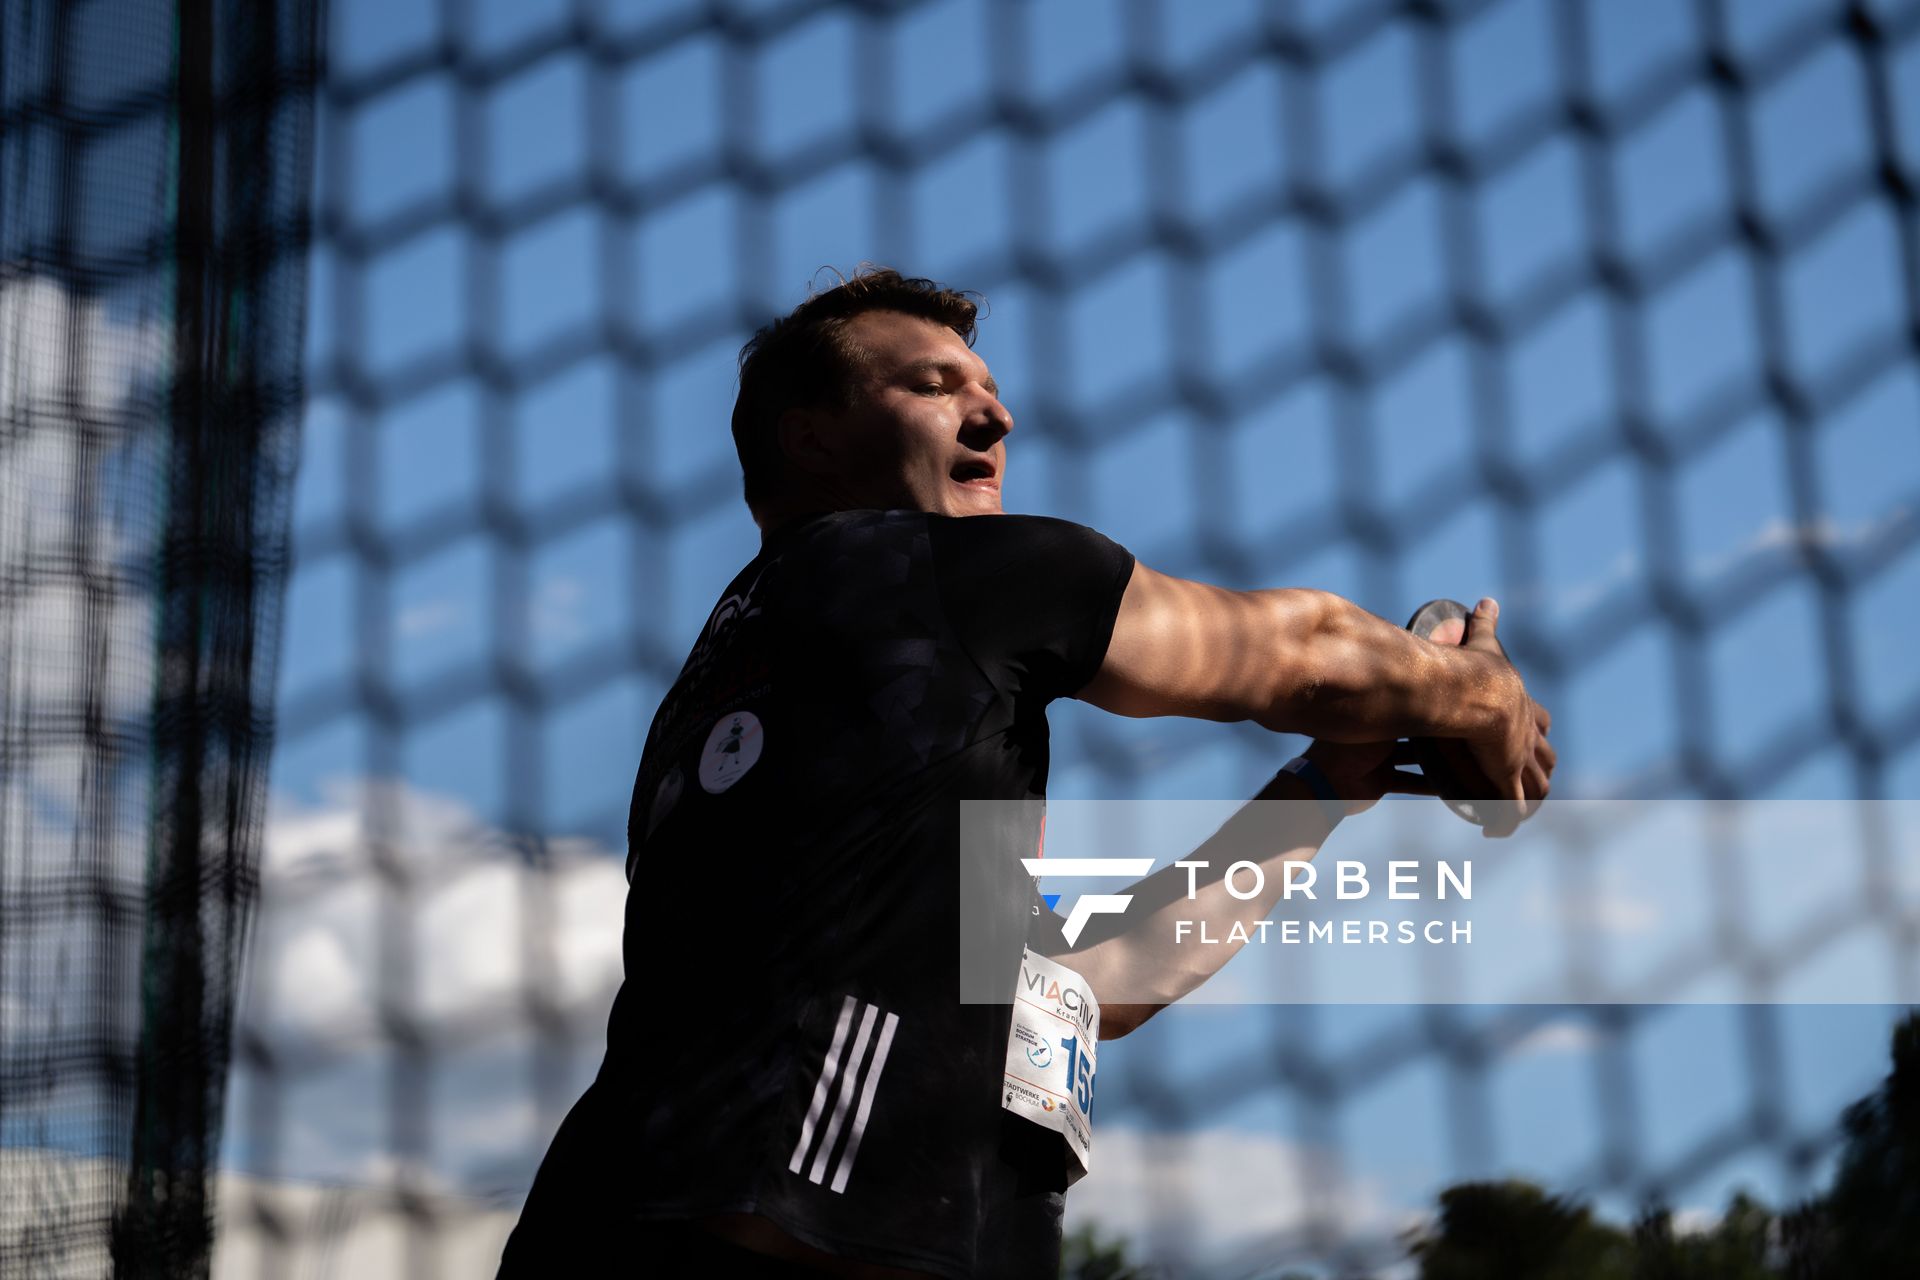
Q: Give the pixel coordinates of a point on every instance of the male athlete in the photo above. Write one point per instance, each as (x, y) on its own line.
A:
(791, 1085)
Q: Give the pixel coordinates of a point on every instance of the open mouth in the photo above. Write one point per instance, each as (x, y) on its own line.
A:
(975, 472)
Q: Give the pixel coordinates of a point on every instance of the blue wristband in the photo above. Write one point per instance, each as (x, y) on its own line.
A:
(1331, 805)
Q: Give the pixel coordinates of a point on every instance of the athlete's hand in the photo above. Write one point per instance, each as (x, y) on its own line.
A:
(1362, 772)
(1512, 762)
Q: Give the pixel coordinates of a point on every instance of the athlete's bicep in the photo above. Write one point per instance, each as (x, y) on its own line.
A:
(1183, 648)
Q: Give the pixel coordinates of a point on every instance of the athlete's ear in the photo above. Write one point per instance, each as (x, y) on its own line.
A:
(807, 441)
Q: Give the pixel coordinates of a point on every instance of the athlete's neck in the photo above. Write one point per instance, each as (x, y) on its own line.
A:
(775, 528)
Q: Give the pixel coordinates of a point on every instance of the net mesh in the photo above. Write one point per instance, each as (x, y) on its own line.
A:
(152, 259)
(1607, 309)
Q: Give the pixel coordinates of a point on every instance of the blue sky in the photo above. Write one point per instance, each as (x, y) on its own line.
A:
(574, 514)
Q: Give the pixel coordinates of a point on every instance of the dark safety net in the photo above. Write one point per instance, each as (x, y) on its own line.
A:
(154, 176)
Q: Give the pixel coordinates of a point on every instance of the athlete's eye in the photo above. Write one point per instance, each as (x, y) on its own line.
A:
(930, 388)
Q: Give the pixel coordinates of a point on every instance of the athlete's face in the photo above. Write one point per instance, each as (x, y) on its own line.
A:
(925, 431)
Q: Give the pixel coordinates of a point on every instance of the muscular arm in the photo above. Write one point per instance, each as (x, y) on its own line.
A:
(1294, 661)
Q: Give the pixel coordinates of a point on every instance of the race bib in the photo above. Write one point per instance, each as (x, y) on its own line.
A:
(1050, 1053)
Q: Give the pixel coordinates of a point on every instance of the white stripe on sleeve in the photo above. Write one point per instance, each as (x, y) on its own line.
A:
(843, 1094)
(845, 1166)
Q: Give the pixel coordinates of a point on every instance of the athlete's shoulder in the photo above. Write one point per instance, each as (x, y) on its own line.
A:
(1032, 539)
(1011, 524)
(894, 541)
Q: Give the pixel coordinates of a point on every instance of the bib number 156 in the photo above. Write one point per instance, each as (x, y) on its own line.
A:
(1080, 1075)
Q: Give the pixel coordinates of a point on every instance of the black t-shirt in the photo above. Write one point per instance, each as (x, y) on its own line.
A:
(789, 1040)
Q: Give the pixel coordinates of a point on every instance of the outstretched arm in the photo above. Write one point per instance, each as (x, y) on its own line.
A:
(1303, 661)
(1300, 661)
(1137, 964)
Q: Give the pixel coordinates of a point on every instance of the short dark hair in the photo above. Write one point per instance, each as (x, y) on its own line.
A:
(807, 360)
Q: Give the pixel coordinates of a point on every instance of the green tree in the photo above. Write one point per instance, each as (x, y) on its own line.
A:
(1869, 1223)
(1741, 1246)
(1517, 1231)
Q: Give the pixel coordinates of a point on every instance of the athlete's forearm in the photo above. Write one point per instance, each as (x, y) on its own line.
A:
(1138, 963)
(1294, 660)
(1355, 677)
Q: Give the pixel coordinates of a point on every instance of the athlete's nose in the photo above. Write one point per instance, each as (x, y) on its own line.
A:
(988, 427)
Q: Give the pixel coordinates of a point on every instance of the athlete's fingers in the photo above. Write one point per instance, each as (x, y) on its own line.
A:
(1542, 717)
(1483, 625)
(1537, 784)
(1547, 755)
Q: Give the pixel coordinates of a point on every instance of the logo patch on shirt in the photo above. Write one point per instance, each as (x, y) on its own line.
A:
(732, 748)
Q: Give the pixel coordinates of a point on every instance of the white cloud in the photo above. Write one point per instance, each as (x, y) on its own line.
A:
(447, 891)
(431, 926)
(1562, 1035)
(80, 392)
(81, 447)
(64, 356)
(78, 461)
(1822, 533)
